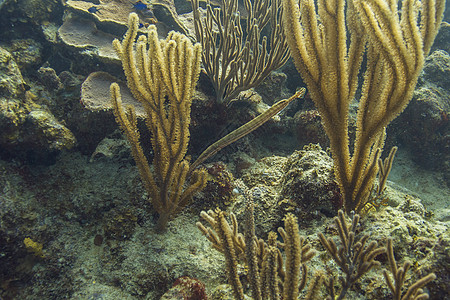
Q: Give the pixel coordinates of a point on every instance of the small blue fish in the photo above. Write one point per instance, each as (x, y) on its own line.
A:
(93, 10)
(140, 6)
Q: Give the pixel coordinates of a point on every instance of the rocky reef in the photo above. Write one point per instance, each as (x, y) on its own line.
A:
(75, 221)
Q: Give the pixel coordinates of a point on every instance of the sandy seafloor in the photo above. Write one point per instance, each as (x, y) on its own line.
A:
(431, 187)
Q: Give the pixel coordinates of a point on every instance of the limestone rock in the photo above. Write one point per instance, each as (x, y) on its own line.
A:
(424, 125)
(24, 125)
(11, 80)
(26, 52)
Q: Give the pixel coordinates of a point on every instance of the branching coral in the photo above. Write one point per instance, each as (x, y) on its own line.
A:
(353, 256)
(328, 41)
(236, 59)
(415, 291)
(269, 275)
(162, 75)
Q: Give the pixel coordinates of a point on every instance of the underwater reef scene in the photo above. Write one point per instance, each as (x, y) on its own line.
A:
(224, 149)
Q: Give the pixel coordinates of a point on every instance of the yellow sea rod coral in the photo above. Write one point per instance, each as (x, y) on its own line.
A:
(162, 75)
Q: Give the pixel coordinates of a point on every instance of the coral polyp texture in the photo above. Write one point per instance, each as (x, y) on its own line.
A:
(328, 44)
(162, 79)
